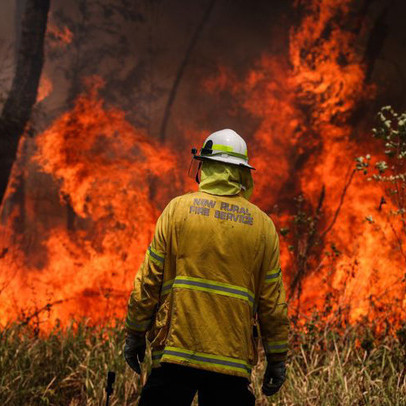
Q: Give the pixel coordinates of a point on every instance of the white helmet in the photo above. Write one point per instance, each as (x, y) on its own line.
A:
(224, 146)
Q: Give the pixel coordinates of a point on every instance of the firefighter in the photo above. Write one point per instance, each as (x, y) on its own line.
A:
(210, 276)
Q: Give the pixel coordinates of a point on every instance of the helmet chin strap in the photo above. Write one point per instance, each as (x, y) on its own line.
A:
(197, 173)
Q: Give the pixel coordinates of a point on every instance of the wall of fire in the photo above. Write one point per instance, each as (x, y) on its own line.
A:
(302, 81)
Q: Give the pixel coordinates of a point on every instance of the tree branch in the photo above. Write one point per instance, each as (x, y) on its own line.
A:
(182, 68)
(337, 212)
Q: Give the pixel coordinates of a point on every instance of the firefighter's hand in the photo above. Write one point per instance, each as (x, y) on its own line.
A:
(274, 377)
(134, 351)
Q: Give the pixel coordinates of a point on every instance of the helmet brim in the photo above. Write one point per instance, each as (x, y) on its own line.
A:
(226, 159)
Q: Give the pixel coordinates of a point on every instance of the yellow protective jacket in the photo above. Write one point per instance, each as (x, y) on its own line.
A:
(211, 272)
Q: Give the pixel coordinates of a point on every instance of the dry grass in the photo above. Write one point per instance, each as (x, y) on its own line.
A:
(352, 367)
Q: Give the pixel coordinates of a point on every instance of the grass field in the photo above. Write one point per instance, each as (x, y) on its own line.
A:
(352, 366)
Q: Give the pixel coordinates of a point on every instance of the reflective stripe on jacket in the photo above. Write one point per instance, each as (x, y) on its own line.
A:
(211, 271)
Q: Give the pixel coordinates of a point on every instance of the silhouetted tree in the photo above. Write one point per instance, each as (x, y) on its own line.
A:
(22, 96)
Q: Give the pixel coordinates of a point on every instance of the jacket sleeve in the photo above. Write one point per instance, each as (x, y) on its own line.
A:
(145, 295)
(272, 307)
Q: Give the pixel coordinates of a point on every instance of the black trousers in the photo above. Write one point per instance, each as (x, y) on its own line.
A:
(176, 385)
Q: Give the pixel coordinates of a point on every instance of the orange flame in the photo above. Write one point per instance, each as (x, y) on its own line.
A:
(305, 140)
(108, 174)
(45, 88)
(56, 35)
(105, 168)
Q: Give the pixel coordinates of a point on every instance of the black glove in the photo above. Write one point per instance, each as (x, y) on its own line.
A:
(134, 351)
(274, 377)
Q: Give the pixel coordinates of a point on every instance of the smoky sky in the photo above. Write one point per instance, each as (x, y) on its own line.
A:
(138, 48)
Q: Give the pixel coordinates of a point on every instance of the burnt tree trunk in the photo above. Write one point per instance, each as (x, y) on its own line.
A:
(18, 105)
